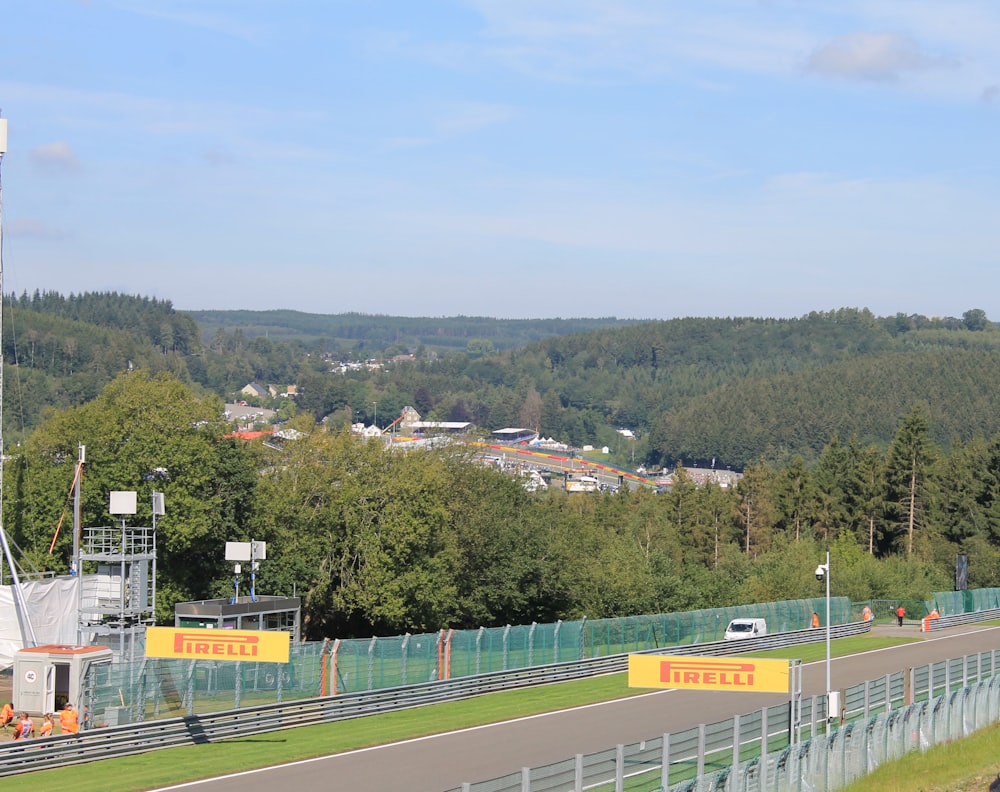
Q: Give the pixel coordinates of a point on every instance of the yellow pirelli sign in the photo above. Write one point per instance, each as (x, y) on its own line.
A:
(201, 644)
(708, 673)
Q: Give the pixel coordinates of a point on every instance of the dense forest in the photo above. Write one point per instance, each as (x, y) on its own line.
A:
(363, 335)
(739, 390)
(875, 438)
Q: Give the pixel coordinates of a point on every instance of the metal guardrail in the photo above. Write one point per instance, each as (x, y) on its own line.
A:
(762, 752)
(959, 619)
(130, 739)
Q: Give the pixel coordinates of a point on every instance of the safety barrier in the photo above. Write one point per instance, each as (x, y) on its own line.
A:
(940, 623)
(883, 719)
(118, 741)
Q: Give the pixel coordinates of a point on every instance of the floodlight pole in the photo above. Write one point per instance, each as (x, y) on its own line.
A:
(829, 694)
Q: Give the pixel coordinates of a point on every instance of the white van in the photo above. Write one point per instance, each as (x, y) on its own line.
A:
(739, 629)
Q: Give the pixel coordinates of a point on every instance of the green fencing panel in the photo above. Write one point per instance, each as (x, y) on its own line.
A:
(949, 603)
(985, 599)
(160, 687)
(638, 633)
(952, 603)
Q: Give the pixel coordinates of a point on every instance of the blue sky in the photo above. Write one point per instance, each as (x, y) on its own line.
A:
(508, 158)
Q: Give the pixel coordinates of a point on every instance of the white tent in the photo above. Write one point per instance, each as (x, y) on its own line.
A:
(52, 610)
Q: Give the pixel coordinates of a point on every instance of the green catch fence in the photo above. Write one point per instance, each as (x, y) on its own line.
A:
(159, 687)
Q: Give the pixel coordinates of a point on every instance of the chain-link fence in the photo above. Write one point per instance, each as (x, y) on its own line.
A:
(153, 688)
(156, 687)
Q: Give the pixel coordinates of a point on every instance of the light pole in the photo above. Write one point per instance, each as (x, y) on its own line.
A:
(832, 702)
(375, 419)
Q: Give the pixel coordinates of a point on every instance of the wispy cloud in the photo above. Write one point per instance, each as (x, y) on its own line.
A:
(874, 56)
(195, 15)
(473, 117)
(55, 157)
(37, 229)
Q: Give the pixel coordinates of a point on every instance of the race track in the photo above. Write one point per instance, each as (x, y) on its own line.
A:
(441, 762)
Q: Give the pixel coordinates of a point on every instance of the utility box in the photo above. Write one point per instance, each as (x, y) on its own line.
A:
(46, 677)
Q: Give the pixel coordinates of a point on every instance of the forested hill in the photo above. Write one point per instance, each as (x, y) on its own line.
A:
(734, 389)
(60, 352)
(692, 389)
(376, 334)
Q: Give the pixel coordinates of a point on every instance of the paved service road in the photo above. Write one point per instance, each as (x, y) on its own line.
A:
(433, 764)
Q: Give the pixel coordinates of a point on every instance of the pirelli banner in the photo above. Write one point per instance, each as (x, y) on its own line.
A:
(201, 644)
(708, 673)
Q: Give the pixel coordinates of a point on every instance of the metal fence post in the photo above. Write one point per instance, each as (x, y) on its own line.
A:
(701, 752)
(762, 775)
(479, 647)
(619, 768)
(190, 687)
(404, 652)
(665, 762)
(730, 781)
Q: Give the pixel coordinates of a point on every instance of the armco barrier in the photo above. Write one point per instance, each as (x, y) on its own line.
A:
(117, 741)
(961, 618)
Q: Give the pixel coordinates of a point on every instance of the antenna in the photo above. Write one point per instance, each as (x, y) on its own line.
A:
(252, 551)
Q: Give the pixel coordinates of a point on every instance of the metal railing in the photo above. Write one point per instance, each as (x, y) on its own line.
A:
(883, 718)
(959, 619)
(117, 741)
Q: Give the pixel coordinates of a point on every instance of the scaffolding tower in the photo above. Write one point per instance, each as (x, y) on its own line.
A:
(119, 602)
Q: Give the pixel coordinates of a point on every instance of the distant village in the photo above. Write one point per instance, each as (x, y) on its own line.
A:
(536, 460)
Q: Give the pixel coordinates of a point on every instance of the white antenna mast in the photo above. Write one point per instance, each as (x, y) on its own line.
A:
(27, 631)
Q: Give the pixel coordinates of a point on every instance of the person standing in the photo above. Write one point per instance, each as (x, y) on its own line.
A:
(900, 613)
(46, 730)
(815, 620)
(866, 614)
(69, 721)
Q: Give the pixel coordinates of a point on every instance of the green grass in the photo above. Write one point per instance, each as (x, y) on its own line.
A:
(176, 765)
(945, 768)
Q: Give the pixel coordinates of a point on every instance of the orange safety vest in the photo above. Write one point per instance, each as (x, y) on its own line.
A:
(46, 729)
(6, 714)
(815, 620)
(25, 728)
(69, 721)
(866, 613)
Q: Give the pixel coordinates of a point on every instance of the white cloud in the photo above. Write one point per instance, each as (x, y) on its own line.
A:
(873, 56)
(55, 156)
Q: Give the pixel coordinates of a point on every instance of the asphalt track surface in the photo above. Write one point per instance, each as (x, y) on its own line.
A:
(445, 761)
